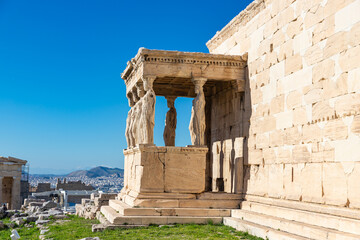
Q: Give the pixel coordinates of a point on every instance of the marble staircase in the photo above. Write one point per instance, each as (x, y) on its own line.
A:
(268, 218)
(277, 219)
(170, 209)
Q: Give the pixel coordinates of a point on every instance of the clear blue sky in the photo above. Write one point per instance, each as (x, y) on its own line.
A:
(62, 101)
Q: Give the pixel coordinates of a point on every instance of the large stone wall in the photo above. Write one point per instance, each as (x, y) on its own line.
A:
(304, 82)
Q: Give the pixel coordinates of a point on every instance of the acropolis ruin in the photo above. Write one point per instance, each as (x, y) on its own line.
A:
(275, 126)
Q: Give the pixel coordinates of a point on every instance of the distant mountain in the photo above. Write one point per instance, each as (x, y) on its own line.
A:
(97, 172)
(48, 175)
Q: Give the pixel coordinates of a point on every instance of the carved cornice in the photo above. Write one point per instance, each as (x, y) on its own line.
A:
(173, 70)
(232, 27)
(12, 160)
(166, 149)
(169, 57)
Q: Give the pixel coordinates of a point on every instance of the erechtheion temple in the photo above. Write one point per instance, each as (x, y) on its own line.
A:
(275, 126)
(10, 181)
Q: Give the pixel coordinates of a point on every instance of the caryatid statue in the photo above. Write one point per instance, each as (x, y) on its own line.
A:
(136, 131)
(128, 133)
(147, 119)
(135, 116)
(197, 122)
(170, 122)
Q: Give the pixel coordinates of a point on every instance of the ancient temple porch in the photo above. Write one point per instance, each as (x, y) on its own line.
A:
(172, 74)
(172, 184)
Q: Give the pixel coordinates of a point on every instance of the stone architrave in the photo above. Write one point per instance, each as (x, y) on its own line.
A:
(197, 123)
(170, 122)
(147, 116)
(128, 132)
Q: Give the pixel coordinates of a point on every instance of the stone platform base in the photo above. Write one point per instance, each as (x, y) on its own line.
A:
(169, 208)
(178, 200)
(277, 219)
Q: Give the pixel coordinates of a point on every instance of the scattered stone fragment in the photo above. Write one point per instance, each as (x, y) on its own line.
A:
(42, 222)
(11, 225)
(19, 221)
(44, 216)
(54, 212)
(31, 219)
(48, 205)
(28, 225)
(43, 231)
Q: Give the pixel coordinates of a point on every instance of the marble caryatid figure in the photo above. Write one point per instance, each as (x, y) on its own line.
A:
(170, 122)
(197, 122)
(147, 117)
(128, 130)
(134, 118)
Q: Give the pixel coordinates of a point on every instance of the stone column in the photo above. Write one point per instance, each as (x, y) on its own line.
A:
(197, 123)
(1, 186)
(147, 116)
(15, 193)
(170, 122)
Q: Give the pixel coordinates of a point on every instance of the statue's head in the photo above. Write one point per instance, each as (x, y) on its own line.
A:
(140, 89)
(134, 95)
(199, 83)
(148, 82)
(170, 101)
(130, 99)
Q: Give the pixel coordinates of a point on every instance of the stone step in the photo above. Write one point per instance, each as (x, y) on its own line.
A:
(185, 203)
(116, 218)
(126, 210)
(219, 196)
(293, 227)
(311, 207)
(165, 196)
(205, 200)
(343, 224)
(259, 230)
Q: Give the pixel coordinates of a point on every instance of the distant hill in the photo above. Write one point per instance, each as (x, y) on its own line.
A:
(47, 175)
(97, 172)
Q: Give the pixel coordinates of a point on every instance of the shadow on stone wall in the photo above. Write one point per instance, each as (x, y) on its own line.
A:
(228, 142)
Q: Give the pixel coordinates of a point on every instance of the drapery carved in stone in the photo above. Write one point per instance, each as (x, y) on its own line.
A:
(147, 116)
(197, 122)
(128, 130)
(170, 122)
(136, 123)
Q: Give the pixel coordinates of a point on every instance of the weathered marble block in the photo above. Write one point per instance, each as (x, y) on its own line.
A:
(152, 169)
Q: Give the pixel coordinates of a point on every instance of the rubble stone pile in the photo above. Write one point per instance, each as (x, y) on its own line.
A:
(88, 207)
(36, 211)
